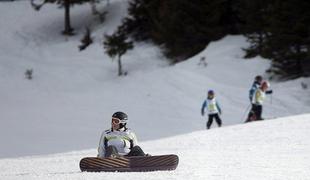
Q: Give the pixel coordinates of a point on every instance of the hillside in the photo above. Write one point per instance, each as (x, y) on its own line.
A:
(73, 94)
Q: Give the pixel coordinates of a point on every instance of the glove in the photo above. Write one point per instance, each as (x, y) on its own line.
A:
(269, 92)
(202, 113)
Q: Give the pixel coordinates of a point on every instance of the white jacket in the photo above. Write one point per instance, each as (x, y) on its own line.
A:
(211, 105)
(259, 97)
(122, 139)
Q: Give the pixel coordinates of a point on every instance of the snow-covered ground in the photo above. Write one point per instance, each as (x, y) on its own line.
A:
(277, 149)
(73, 94)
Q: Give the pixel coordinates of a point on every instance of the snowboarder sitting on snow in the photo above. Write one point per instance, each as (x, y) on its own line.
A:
(257, 102)
(213, 109)
(119, 140)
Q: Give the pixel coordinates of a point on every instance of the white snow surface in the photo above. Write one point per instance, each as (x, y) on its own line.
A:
(277, 149)
(73, 94)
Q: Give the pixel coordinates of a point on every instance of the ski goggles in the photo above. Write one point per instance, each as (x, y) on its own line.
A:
(117, 121)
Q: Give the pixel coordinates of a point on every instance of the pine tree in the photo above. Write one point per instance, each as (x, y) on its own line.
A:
(288, 39)
(68, 30)
(254, 15)
(116, 45)
(183, 27)
(139, 23)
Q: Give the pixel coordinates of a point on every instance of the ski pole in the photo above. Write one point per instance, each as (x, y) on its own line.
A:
(247, 109)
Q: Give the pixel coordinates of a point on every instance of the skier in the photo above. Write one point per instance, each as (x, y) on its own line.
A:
(119, 140)
(257, 102)
(256, 84)
(213, 109)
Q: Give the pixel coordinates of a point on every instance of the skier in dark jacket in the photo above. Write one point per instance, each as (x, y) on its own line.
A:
(257, 102)
(256, 84)
(213, 109)
(119, 140)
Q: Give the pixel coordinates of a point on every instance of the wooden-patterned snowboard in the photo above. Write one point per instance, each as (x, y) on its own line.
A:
(130, 164)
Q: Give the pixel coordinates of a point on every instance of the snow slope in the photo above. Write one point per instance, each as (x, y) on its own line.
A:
(277, 149)
(73, 94)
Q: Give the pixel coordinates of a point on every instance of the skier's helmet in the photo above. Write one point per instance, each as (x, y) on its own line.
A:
(258, 78)
(120, 118)
(210, 92)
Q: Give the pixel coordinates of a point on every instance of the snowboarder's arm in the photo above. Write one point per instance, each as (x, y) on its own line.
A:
(134, 140)
(101, 148)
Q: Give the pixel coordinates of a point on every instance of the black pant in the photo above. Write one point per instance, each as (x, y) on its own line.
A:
(255, 114)
(217, 119)
(112, 151)
(136, 151)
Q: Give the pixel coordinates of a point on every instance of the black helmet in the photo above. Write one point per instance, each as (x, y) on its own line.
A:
(121, 116)
(210, 92)
(258, 78)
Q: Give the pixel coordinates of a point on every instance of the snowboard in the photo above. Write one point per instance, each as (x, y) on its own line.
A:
(130, 164)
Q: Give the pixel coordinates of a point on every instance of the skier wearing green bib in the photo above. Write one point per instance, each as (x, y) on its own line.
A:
(213, 109)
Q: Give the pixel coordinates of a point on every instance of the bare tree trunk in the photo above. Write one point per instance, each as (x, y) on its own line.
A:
(120, 70)
(68, 29)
